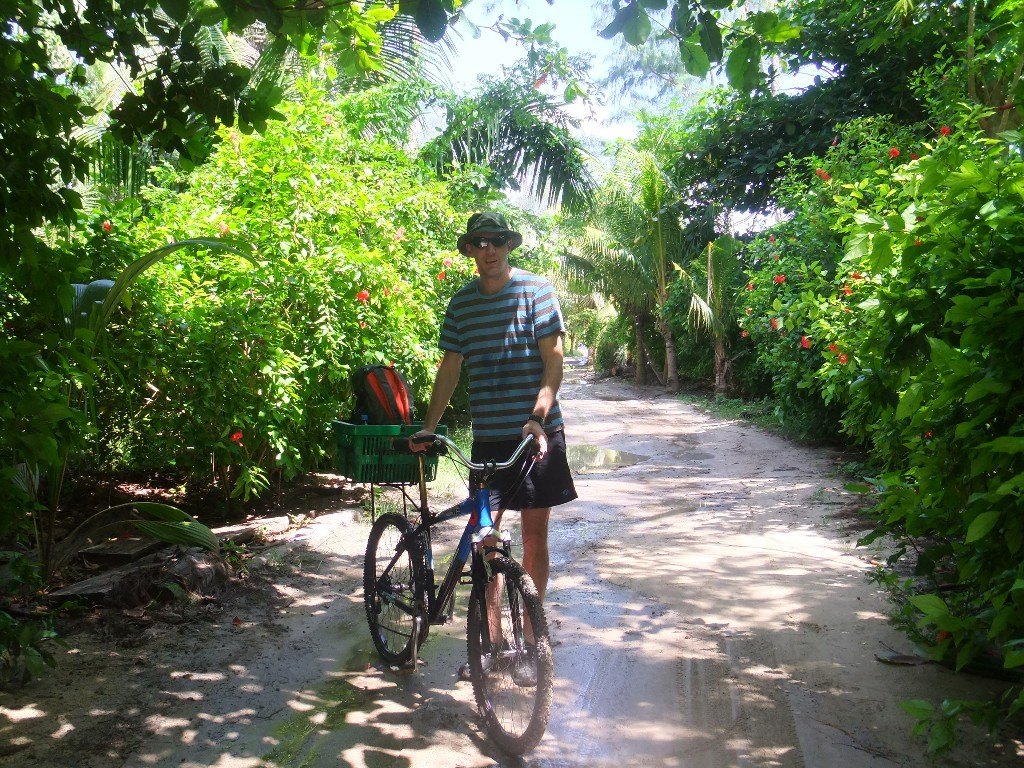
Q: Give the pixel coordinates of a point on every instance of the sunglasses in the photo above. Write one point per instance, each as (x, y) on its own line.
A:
(482, 242)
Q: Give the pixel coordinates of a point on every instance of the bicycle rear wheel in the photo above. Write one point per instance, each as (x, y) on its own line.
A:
(393, 590)
(512, 681)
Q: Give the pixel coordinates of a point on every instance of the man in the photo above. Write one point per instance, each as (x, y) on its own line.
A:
(507, 326)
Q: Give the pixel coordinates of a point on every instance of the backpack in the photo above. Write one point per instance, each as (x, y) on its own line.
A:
(382, 396)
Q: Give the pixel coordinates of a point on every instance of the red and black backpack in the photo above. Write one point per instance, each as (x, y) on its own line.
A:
(382, 396)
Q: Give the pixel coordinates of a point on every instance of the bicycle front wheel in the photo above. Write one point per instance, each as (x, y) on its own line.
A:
(512, 675)
(393, 590)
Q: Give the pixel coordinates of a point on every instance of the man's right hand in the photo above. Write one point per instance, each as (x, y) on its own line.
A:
(419, 447)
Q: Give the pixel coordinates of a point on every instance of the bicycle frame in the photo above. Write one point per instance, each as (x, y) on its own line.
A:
(479, 526)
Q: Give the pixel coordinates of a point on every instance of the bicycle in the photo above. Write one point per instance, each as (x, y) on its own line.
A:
(512, 678)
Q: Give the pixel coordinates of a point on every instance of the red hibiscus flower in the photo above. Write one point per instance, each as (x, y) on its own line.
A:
(894, 153)
(441, 275)
(945, 130)
(823, 175)
(774, 324)
(107, 226)
(833, 347)
(805, 342)
(750, 286)
(857, 276)
(236, 436)
(363, 296)
(779, 279)
(842, 359)
(917, 242)
(914, 156)
(928, 434)
(847, 290)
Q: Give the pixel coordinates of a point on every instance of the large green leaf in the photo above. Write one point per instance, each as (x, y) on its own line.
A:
(170, 524)
(981, 525)
(711, 38)
(136, 268)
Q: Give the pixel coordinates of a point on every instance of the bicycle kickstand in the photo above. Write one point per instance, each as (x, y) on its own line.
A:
(417, 622)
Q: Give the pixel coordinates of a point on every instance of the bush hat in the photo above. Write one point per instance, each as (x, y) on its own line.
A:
(489, 223)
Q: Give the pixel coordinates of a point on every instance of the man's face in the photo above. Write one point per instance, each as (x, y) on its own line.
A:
(491, 258)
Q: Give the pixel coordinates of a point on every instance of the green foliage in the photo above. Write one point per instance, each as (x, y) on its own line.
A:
(246, 364)
(703, 35)
(613, 345)
(907, 330)
(24, 650)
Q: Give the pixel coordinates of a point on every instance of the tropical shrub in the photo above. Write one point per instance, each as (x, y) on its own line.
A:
(245, 365)
(908, 334)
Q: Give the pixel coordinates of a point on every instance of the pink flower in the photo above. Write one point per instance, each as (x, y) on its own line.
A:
(894, 153)
(363, 296)
(447, 263)
(328, 119)
(224, 228)
(107, 226)
(744, 334)
(779, 279)
(771, 238)
(945, 130)
(399, 234)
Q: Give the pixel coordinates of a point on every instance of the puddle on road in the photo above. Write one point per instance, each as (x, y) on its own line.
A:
(590, 459)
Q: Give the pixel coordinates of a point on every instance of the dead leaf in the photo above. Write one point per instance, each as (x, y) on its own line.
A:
(902, 659)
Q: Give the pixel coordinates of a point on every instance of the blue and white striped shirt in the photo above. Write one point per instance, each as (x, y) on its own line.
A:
(497, 336)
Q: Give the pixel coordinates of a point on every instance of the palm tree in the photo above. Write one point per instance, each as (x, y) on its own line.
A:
(628, 254)
(522, 136)
(713, 312)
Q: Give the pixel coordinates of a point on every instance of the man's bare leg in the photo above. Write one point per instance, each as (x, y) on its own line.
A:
(536, 560)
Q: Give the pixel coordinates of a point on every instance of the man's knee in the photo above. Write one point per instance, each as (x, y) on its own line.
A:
(535, 527)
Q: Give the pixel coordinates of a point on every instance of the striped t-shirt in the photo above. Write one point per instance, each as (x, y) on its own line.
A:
(497, 336)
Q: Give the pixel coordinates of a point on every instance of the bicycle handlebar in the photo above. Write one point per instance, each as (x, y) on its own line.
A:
(439, 444)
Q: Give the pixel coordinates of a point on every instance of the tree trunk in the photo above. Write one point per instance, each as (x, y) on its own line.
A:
(641, 357)
(671, 360)
(722, 367)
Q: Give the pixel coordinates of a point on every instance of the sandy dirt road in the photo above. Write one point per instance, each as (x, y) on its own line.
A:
(706, 607)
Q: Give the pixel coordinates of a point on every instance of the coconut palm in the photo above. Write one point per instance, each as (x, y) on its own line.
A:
(522, 136)
(713, 312)
(628, 254)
